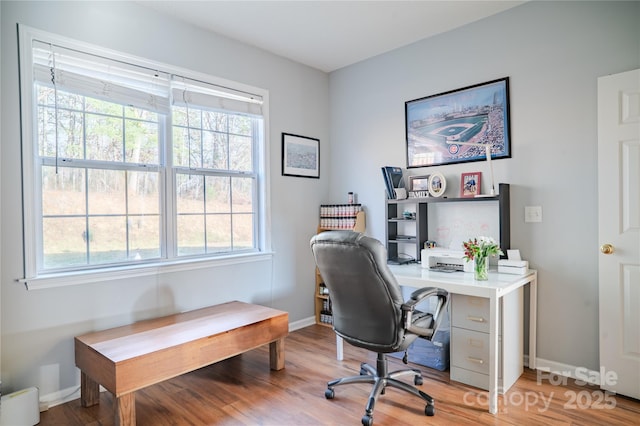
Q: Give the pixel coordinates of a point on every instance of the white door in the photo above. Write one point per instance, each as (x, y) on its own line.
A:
(619, 231)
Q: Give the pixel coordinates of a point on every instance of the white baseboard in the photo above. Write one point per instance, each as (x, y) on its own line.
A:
(566, 370)
(59, 397)
(305, 322)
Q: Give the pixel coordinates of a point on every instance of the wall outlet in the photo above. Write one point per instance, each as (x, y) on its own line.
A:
(533, 214)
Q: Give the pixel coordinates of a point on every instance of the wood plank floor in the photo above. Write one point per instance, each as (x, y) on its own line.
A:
(243, 391)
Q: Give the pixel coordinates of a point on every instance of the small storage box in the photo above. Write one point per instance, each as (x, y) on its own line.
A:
(434, 353)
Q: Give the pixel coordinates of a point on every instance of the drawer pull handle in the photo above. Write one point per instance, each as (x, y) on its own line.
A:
(475, 319)
(476, 360)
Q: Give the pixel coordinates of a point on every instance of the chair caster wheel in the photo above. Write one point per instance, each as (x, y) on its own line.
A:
(417, 380)
(429, 410)
(367, 420)
(329, 394)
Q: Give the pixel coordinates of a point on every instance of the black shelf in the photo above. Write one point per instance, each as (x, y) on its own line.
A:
(421, 220)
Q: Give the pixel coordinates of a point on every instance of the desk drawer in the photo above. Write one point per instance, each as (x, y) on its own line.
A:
(470, 312)
(470, 351)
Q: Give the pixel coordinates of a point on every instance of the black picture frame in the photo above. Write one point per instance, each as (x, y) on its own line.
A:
(300, 156)
(473, 114)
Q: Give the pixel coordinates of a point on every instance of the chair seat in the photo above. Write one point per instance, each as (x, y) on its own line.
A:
(422, 319)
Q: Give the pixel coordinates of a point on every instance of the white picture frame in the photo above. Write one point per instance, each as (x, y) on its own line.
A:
(437, 184)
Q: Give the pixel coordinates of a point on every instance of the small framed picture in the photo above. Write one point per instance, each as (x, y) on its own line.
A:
(419, 183)
(470, 184)
(300, 156)
(437, 184)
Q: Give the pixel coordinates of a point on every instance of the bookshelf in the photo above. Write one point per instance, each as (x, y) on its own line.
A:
(334, 217)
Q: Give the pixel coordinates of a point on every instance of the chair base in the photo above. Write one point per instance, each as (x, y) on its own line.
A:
(381, 379)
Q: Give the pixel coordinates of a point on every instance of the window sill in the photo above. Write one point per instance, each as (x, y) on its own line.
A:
(117, 273)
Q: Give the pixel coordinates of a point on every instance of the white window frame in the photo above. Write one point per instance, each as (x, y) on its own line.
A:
(171, 263)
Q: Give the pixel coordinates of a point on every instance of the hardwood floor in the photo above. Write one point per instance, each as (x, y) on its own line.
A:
(244, 391)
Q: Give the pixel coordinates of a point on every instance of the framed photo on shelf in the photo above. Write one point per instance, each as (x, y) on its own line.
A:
(418, 186)
(437, 184)
(300, 156)
(443, 128)
(470, 184)
(419, 183)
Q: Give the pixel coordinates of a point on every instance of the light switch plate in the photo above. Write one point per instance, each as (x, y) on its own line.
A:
(533, 214)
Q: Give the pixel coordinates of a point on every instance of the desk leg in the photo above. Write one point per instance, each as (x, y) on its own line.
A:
(533, 321)
(276, 354)
(494, 302)
(339, 348)
(125, 410)
(89, 391)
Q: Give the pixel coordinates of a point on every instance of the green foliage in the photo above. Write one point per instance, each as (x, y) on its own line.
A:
(481, 247)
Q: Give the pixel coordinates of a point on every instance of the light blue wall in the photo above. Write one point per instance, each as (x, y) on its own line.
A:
(553, 53)
(38, 326)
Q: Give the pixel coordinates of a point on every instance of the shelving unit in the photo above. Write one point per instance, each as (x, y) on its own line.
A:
(397, 233)
(322, 298)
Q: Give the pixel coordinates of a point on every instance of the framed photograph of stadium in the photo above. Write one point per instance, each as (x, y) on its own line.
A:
(442, 129)
(300, 156)
(470, 184)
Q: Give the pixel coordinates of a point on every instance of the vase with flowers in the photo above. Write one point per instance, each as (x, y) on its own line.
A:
(479, 250)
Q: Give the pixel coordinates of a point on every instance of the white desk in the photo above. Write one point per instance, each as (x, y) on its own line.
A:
(495, 288)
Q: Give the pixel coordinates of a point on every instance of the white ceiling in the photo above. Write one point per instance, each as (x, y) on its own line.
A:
(329, 35)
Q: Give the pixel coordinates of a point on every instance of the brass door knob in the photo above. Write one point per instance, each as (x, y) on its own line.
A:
(606, 249)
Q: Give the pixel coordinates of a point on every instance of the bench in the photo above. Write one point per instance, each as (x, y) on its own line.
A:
(131, 357)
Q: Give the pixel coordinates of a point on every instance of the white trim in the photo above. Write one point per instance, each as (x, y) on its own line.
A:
(25, 38)
(567, 370)
(305, 322)
(60, 397)
(31, 229)
(132, 271)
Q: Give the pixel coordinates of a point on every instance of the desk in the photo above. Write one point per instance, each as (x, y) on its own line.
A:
(493, 290)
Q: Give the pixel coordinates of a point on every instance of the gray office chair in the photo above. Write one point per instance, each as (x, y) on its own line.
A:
(369, 311)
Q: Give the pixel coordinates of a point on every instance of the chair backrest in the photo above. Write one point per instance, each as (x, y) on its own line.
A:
(365, 296)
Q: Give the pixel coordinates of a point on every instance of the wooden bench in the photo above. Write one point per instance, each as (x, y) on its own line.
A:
(131, 357)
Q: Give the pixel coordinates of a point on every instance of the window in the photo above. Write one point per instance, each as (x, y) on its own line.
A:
(128, 163)
(214, 163)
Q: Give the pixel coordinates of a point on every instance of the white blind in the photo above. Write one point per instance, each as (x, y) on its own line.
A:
(129, 84)
(193, 93)
(101, 78)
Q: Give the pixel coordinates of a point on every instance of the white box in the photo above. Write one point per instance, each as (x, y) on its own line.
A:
(513, 263)
(20, 408)
(514, 270)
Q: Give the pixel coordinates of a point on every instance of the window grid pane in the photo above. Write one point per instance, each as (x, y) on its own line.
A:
(215, 213)
(100, 215)
(110, 217)
(92, 129)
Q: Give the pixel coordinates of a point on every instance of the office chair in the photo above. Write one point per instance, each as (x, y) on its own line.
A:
(369, 311)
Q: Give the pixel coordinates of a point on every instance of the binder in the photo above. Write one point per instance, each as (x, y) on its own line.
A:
(392, 179)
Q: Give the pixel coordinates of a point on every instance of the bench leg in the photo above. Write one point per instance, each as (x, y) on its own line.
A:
(89, 391)
(276, 354)
(125, 410)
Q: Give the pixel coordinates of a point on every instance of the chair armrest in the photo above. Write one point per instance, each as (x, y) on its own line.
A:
(425, 292)
(416, 297)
